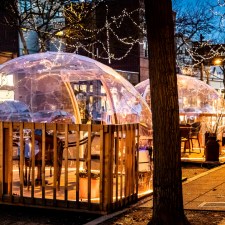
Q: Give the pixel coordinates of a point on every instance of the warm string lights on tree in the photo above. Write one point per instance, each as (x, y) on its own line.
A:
(107, 35)
(206, 53)
(87, 26)
(203, 56)
(97, 40)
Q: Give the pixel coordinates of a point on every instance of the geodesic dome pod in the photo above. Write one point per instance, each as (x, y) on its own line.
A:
(194, 95)
(76, 84)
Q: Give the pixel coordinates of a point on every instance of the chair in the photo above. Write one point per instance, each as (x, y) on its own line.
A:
(49, 158)
(184, 134)
(194, 133)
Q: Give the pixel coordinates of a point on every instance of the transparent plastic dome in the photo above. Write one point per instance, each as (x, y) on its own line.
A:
(80, 86)
(194, 95)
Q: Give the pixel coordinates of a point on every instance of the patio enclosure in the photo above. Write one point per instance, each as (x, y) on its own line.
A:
(84, 167)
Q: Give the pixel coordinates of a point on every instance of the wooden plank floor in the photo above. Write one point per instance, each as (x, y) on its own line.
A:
(144, 185)
(60, 194)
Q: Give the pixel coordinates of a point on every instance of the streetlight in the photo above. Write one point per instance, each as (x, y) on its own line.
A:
(217, 61)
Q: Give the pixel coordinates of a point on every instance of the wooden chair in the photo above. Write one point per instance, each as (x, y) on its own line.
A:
(194, 133)
(184, 134)
(49, 158)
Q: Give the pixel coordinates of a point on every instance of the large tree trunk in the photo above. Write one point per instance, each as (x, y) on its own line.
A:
(167, 184)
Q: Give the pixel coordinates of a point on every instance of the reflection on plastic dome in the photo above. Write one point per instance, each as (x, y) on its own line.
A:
(14, 111)
(194, 95)
(78, 85)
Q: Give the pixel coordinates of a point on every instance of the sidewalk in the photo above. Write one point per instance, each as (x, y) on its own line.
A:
(205, 191)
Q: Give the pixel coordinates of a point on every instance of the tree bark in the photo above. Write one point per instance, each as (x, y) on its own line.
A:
(25, 49)
(167, 183)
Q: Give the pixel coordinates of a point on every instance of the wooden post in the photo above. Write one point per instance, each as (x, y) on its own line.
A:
(21, 162)
(102, 186)
(89, 164)
(43, 150)
(7, 160)
(128, 164)
(66, 165)
(123, 163)
(117, 162)
(107, 169)
(55, 164)
(77, 161)
(137, 157)
(32, 162)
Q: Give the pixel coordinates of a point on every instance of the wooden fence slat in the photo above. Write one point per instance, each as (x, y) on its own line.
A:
(89, 164)
(128, 184)
(112, 162)
(66, 164)
(77, 162)
(117, 161)
(1, 159)
(43, 150)
(105, 170)
(32, 163)
(10, 159)
(126, 165)
(137, 158)
(133, 155)
(101, 194)
(123, 167)
(21, 161)
(55, 163)
(108, 168)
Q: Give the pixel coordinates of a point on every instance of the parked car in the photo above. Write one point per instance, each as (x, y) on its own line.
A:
(14, 111)
(53, 116)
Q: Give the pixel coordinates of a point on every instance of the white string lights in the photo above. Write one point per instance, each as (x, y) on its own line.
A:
(77, 33)
(206, 52)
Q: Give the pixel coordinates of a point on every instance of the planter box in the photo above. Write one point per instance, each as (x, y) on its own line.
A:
(84, 188)
(144, 179)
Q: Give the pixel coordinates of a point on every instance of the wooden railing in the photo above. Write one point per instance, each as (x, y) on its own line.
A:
(71, 161)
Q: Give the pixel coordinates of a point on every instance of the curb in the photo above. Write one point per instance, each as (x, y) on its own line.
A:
(203, 174)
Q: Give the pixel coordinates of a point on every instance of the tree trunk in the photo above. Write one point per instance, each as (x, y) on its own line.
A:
(167, 184)
(25, 49)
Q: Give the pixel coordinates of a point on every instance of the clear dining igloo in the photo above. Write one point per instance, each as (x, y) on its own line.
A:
(78, 85)
(193, 95)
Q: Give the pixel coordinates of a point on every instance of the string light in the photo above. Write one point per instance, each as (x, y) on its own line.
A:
(70, 31)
